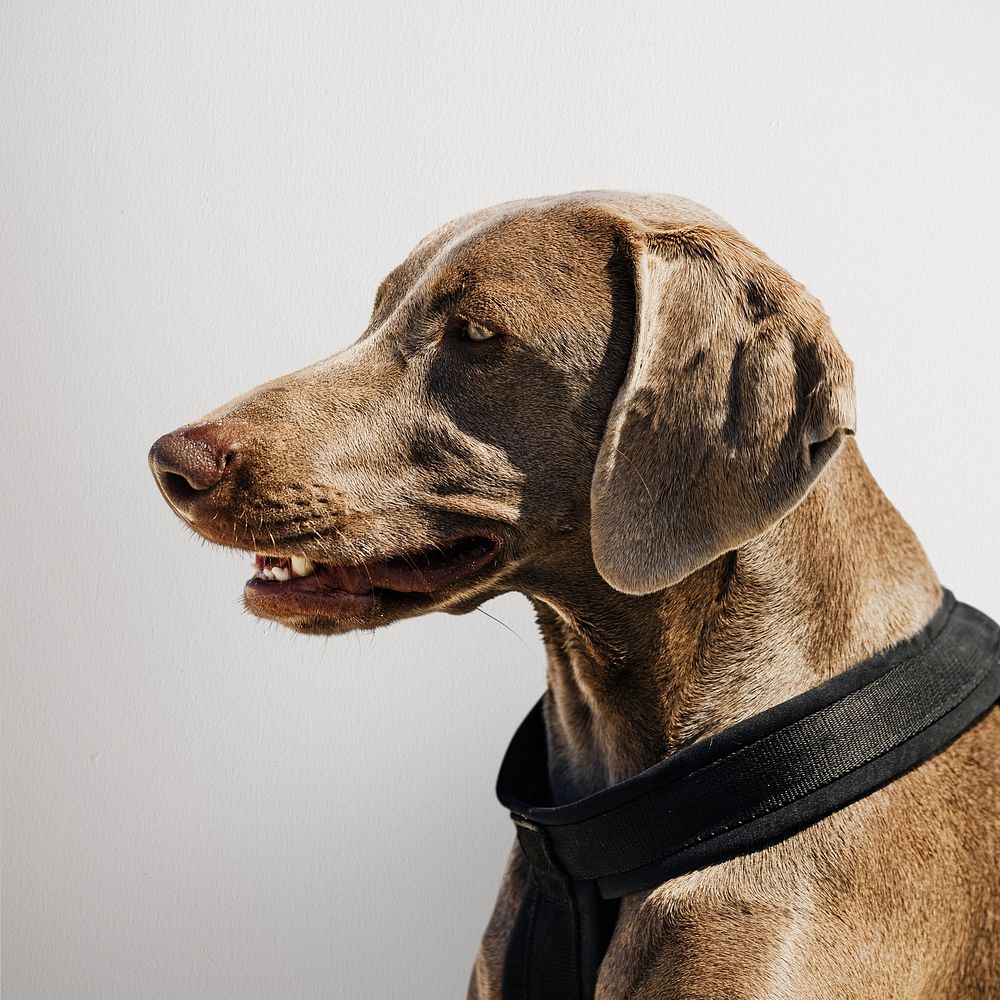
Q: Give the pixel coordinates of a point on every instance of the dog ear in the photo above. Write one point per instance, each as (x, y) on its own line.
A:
(736, 397)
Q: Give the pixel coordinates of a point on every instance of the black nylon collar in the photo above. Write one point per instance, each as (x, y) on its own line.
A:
(751, 785)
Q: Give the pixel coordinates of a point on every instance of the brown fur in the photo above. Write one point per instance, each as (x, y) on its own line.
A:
(660, 442)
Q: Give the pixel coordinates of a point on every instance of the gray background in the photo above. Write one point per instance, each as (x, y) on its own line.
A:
(198, 196)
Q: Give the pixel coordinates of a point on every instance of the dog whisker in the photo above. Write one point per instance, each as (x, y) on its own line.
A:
(505, 625)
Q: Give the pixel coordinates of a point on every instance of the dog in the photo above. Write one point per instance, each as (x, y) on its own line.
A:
(616, 405)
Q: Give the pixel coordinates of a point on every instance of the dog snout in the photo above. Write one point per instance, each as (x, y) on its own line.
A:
(189, 464)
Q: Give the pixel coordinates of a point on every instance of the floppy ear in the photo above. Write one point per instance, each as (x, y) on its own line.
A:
(736, 397)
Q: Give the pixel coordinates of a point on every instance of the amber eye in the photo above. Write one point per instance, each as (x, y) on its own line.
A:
(474, 331)
(467, 329)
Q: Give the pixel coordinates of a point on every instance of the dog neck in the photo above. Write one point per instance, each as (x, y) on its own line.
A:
(631, 679)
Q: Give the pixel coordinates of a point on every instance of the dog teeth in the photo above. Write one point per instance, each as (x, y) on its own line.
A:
(282, 570)
(302, 566)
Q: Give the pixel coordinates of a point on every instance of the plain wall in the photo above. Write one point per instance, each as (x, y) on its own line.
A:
(197, 196)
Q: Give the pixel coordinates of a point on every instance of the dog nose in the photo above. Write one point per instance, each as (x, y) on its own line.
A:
(188, 464)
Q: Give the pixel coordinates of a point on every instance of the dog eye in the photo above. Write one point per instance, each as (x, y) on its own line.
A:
(467, 329)
(473, 331)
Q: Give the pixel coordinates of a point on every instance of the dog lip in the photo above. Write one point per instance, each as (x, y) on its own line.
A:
(431, 570)
(367, 591)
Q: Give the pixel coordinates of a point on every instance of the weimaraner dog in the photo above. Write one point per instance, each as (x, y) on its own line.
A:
(619, 407)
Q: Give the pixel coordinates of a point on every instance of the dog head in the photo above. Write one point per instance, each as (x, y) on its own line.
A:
(595, 387)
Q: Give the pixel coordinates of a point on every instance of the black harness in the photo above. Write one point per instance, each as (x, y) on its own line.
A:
(749, 786)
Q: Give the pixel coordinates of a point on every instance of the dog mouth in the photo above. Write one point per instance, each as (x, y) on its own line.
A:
(320, 596)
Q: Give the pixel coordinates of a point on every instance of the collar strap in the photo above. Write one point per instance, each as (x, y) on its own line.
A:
(752, 784)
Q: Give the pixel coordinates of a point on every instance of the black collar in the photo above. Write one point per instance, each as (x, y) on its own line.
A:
(749, 786)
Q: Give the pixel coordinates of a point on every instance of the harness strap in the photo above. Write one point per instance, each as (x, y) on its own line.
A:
(753, 784)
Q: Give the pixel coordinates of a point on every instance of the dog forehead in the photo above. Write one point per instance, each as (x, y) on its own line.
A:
(652, 209)
(540, 250)
(543, 258)
(536, 237)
